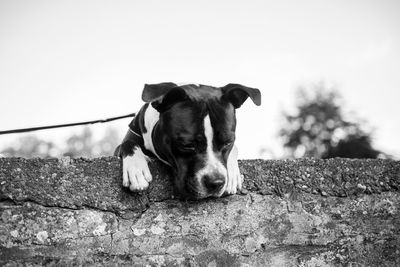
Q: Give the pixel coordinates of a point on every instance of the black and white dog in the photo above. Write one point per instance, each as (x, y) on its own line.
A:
(190, 128)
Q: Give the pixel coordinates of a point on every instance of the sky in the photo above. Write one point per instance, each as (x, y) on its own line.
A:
(70, 61)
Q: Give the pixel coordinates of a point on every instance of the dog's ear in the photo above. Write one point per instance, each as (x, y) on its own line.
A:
(163, 95)
(152, 92)
(237, 94)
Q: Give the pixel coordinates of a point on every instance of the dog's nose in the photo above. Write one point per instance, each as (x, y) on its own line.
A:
(213, 183)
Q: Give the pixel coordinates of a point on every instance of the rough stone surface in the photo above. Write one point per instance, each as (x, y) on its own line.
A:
(304, 212)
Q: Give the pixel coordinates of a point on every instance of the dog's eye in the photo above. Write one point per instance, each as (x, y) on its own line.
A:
(187, 148)
(227, 144)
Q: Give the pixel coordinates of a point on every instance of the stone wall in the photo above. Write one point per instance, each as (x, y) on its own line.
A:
(291, 213)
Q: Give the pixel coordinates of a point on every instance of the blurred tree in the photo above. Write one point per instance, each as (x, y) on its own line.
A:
(107, 144)
(354, 146)
(319, 129)
(31, 146)
(82, 144)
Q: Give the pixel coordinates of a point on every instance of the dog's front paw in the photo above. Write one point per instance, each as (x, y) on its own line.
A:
(235, 179)
(135, 171)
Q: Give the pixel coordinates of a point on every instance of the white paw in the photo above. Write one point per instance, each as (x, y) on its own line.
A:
(135, 171)
(235, 179)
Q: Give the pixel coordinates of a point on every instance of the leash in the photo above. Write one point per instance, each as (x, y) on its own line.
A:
(24, 130)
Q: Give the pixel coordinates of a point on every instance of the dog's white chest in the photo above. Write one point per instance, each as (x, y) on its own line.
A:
(151, 118)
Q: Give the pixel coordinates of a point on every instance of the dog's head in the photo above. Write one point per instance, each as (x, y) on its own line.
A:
(197, 131)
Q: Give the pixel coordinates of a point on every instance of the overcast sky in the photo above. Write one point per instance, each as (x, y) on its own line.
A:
(67, 61)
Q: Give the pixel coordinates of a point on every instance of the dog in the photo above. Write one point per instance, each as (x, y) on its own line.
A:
(190, 128)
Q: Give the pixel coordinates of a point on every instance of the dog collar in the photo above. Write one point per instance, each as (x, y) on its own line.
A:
(156, 154)
(135, 133)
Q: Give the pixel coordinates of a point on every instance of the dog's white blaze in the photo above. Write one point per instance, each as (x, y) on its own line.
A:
(212, 163)
(151, 117)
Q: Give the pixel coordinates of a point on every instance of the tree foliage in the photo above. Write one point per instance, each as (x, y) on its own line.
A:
(319, 129)
(82, 144)
(31, 146)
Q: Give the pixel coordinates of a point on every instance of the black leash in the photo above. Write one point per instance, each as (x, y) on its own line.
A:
(65, 125)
